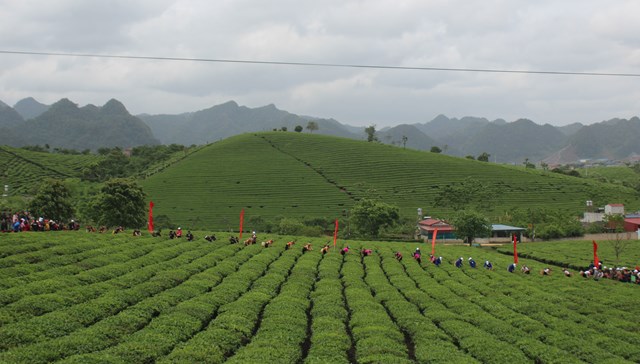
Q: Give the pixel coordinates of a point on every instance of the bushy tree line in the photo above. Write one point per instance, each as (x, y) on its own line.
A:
(117, 165)
(545, 223)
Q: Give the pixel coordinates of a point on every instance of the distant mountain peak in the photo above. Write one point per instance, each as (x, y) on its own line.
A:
(30, 108)
(114, 107)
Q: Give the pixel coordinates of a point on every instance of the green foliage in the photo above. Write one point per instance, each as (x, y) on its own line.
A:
(371, 133)
(312, 126)
(468, 193)
(290, 226)
(121, 202)
(369, 216)
(298, 129)
(484, 157)
(470, 224)
(545, 223)
(53, 201)
(77, 298)
(436, 149)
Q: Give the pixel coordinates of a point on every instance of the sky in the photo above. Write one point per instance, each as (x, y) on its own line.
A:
(566, 36)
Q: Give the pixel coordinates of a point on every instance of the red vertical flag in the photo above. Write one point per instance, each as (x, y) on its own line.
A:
(241, 222)
(515, 249)
(335, 234)
(433, 242)
(150, 223)
(596, 261)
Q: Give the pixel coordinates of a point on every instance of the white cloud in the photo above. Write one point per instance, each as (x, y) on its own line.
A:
(498, 34)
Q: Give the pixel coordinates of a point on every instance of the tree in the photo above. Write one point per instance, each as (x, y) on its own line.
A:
(528, 164)
(470, 224)
(484, 157)
(121, 202)
(615, 223)
(470, 157)
(436, 149)
(368, 216)
(312, 125)
(52, 201)
(404, 141)
(298, 128)
(284, 128)
(371, 133)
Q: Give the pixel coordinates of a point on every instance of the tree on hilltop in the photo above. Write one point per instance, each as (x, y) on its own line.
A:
(371, 133)
(312, 125)
(484, 157)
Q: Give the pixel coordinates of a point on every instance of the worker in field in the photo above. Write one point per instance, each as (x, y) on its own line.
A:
(525, 269)
(254, 238)
(366, 252)
(344, 250)
(459, 262)
(472, 263)
(488, 265)
(566, 272)
(546, 271)
(511, 268)
(325, 249)
(437, 261)
(418, 258)
(179, 232)
(417, 251)
(398, 256)
(289, 245)
(189, 236)
(306, 248)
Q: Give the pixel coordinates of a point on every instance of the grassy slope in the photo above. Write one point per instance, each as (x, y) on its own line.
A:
(617, 174)
(104, 298)
(291, 174)
(24, 170)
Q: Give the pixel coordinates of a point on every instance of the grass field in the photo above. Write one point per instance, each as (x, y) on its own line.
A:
(76, 297)
(303, 175)
(620, 175)
(24, 170)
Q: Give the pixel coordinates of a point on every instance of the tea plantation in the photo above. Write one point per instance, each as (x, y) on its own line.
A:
(76, 297)
(277, 174)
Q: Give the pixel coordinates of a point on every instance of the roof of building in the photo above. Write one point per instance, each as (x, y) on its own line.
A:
(633, 220)
(500, 227)
(431, 224)
(616, 205)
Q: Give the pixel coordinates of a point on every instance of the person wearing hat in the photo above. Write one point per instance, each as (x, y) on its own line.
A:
(512, 267)
(472, 263)
(459, 262)
(488, 265)
(437, 261)
(179, 232)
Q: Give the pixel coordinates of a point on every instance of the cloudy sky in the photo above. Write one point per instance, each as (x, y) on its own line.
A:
(572, 36)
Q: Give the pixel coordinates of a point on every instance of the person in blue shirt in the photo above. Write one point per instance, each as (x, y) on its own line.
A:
(437, 261)
(512, 267)
(472, 263)
(488, 265)
(459, 262)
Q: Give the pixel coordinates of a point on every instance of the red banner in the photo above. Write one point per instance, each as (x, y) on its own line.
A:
(596, 261)
(150, 223)
(433, 242)
(241, 222)
(515, 249)
(335, 234)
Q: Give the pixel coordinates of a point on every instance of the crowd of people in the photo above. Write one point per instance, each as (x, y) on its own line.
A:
(24, 221)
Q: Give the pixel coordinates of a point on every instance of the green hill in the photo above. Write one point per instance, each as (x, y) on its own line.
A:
(24, 170)
(302, 175)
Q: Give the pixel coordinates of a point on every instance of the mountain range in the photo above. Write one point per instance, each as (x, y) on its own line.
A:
(66, 125)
